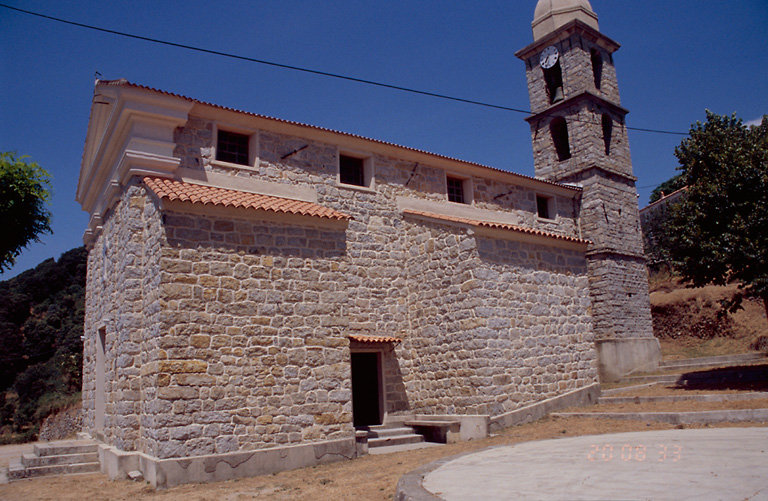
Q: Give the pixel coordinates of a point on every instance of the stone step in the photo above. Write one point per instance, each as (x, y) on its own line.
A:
(66, 447)
(17, 471)
(693, 417)
(30, 459)
(689, 363)
(625, 389)
(715, 397)
(389, 432)
(661, 378)
(389, 449)
(411, 438)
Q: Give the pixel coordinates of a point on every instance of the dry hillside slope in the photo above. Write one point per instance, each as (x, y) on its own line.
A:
(689, 322)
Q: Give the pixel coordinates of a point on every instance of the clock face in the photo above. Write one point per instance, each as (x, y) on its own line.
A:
(548, 57)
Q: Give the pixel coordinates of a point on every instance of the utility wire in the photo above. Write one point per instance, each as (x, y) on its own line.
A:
(305, 70)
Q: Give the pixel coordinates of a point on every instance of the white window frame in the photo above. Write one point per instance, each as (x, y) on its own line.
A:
(369, 178)
(467, 186)
(253, 146)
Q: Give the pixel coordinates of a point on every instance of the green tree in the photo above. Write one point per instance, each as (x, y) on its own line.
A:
(669, 186)
(719, 230)
(24, 190)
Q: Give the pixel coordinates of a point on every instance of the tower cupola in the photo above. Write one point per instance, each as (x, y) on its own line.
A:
(552, 14)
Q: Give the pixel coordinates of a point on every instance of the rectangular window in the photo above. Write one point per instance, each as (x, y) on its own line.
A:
(544, 207)
(352, 170)
(232, 147)
(456, 190)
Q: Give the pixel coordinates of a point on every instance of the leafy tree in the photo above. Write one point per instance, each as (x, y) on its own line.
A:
(719, 231)
(41, 351)
(669, 186)
(24, 190)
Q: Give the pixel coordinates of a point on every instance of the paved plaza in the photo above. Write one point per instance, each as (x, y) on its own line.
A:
(720, 463)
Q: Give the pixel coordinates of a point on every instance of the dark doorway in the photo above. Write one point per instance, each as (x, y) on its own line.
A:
(366, 410)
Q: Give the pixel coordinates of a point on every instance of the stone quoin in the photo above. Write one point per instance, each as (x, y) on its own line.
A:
(258, 288)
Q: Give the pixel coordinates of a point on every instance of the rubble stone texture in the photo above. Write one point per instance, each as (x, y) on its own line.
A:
(227, 332)
(609, 212)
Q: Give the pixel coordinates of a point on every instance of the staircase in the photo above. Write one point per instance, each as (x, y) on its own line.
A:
(57, 458)
(384, 435)
(383, 439)
(745, 377)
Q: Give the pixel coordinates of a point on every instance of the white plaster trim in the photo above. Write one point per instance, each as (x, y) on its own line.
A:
(164, 473)
(247, 184)
(445, 208)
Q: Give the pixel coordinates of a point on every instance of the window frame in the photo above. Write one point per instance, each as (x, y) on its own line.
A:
(467, 188)
(253, 146)
(368, 170)
(551, 208)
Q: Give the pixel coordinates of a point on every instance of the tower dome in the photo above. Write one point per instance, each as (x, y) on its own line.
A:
(551, 14)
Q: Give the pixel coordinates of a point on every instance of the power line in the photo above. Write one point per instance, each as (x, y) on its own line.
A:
(305, 70)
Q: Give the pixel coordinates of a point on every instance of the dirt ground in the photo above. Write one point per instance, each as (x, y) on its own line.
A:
(370, 477)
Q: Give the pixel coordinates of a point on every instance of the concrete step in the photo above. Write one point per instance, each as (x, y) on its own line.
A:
(389, 449)
(389, 432)
(17, 471)
(411, 438)
(700, 417)
(715, 397)
(32, 460)
(690, 363)
(66, 447)
(661, 378)
(625, 389)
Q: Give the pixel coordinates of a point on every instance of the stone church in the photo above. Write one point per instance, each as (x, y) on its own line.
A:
(261, 291)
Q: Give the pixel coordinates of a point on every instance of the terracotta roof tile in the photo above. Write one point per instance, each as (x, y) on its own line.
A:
(497, 226)
(374, 339)
(122, 82)
(171, 189)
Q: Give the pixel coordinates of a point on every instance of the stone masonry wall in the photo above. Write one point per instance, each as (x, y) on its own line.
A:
(226, 331)
(495, 324)
(121, 299)
(609, 211)
(252, 353)
(576, 65)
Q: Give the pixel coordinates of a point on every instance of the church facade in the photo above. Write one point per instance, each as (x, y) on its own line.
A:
(258, 289)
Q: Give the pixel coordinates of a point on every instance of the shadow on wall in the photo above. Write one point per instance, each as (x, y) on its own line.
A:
(255, 237)
(528, 257)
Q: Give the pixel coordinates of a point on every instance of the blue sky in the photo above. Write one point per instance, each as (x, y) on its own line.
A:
(677, 59)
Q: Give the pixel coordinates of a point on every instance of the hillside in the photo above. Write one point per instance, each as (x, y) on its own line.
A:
(41, 324)
(689, 322)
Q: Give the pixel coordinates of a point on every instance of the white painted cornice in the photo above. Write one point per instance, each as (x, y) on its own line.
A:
(130, 132)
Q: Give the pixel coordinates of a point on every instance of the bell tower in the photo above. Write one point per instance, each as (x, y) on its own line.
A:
(579, 137)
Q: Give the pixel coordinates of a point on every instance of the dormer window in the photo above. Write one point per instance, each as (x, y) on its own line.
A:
(559, 131)
(232, 147)
(597, 67)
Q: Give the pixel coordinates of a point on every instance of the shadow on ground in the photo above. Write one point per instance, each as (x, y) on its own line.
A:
(745, 377)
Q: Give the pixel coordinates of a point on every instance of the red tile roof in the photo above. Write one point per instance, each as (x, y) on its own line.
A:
(374, 339)
(122, 82)
(497, 226)
(171, 189)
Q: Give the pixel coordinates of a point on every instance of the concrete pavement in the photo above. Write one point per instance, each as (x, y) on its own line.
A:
(718, 463)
